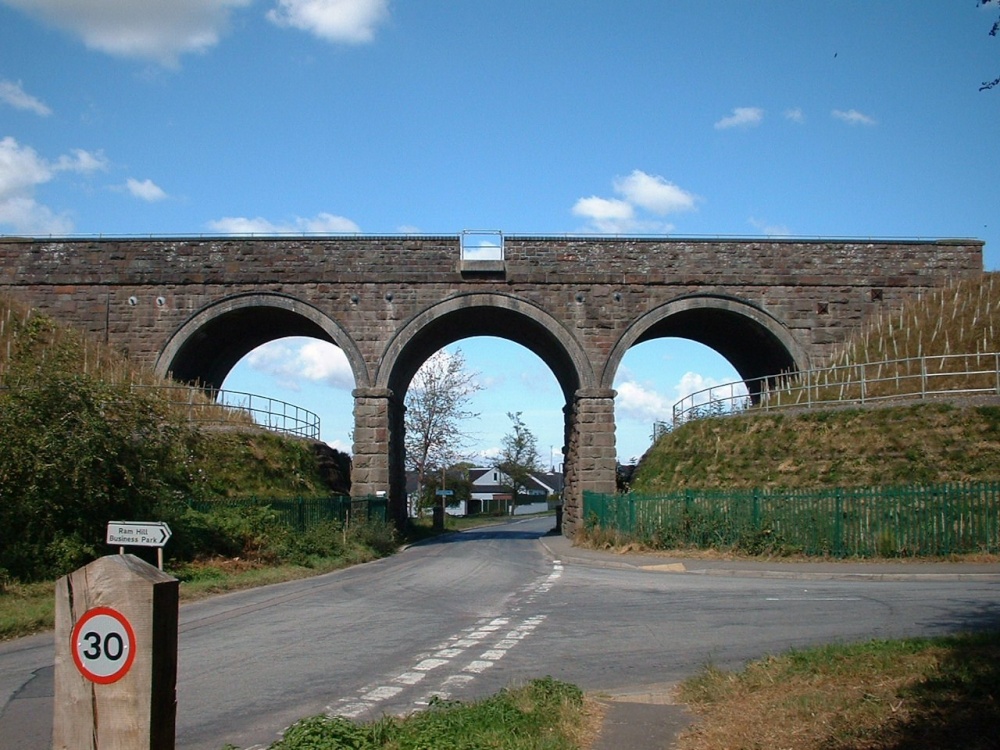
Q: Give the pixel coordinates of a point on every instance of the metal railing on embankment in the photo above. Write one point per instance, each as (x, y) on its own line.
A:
(910, 521)
(217, 406)
(302, 513)
(865, 383)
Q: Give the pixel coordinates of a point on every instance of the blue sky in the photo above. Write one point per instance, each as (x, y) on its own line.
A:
(841, 119)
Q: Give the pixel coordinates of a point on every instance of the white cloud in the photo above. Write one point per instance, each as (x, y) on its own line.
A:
(742, 117)
(349, 21)
(21, 171)
(21, 168)
(15, 95)
(146, 190)
(695, 386)
(795, 115)
(653, 193)
(853, 117)
(82, 162)
(639, 190)
(27, 216)
(292, 361)
(323, 223)
(157, 30)
(771, 230)
(641, 403)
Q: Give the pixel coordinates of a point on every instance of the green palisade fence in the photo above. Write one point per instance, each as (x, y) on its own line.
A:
(301, 513)
(910, 521)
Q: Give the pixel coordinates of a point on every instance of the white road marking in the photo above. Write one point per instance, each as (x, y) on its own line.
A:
(369, 699)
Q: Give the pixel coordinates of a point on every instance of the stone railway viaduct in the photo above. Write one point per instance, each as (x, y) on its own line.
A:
(192, 307)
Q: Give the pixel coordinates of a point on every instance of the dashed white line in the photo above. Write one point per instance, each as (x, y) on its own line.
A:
(369, 698)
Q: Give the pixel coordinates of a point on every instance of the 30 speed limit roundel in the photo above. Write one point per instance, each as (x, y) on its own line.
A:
(103, 645)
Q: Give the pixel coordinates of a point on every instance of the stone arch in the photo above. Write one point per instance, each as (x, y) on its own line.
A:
(755, 342)
(500, 315)
(456, 318)
(210, 343)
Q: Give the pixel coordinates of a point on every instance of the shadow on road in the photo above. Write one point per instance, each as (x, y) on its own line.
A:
(487, 533)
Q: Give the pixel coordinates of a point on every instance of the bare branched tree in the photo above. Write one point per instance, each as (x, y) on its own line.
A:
(518, 457)
(437, 405)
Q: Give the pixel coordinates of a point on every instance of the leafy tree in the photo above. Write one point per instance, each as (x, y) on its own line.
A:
(437, 403)
(518, 457)
(994, 30)
(456, 479)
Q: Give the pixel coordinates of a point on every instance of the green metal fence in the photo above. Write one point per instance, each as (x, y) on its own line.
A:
(911, 521)
(301, 513)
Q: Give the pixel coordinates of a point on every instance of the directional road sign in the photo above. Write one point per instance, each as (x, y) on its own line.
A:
(138, 533)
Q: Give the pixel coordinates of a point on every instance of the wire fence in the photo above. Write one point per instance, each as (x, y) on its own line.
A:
(904, 521)
(897, 379)
(302, 513)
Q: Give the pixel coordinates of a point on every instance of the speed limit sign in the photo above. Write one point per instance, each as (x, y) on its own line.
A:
(103, 645)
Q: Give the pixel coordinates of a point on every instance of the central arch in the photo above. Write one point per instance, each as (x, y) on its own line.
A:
(466, 316)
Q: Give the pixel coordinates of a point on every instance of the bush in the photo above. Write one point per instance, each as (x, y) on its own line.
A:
(76, 453)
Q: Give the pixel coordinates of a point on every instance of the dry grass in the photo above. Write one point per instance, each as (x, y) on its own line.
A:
(924, 443)
(30, 341)
(883, 695)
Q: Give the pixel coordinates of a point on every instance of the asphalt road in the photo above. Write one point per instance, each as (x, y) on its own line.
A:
(471, 613)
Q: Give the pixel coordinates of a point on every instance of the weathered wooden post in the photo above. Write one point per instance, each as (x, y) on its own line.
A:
(116, 657)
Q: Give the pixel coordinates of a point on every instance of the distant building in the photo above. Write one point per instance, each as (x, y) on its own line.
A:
(489, 495)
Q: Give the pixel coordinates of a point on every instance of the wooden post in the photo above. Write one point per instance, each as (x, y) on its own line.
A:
(116, 657)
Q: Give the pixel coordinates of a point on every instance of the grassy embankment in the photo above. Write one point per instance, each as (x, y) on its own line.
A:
(82, 445)
(928, 442)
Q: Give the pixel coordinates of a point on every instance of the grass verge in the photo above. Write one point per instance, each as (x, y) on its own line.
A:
(544, 714)
(879, 695)
(30, 608)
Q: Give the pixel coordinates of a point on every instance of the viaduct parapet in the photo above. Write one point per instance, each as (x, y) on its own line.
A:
(193, 307)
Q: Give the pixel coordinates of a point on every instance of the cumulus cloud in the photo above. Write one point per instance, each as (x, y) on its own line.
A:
(653, 193)
(853, 117)
(639, 191)
(145, 190)
(156, 30)
(345, 21)
(22, 170)
(742, 117)
(14, 94)
(641, 403)
(292, 361)
(323, 223)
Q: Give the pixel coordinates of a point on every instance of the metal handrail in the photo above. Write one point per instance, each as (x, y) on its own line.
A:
(887, 380)
(204, 406)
